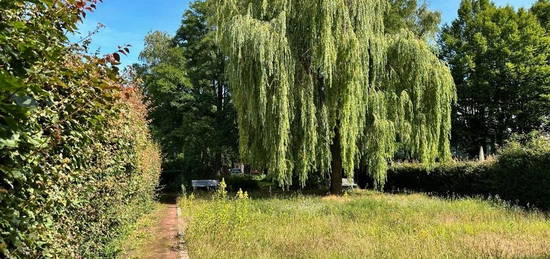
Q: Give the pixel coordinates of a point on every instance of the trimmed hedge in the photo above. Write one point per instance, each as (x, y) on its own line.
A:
(77, 161)
(519, 174)
(244, 182)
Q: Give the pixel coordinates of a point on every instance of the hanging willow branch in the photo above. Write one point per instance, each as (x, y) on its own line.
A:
(299, 70)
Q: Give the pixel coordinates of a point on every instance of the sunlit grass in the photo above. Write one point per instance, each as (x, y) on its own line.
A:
(362, 224)
(139, 236)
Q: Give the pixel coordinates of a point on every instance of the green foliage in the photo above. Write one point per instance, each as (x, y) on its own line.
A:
(523, 172)
(165, 86)
(306, 76)
(411, 15)
(460, 178)
(499, 58)
(76, 158)
(542, 10)
(192, 114)
(362, 224)
(245, 182)
(520, 174)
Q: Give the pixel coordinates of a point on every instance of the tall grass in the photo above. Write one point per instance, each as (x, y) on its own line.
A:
(361, 224)
(136, 238)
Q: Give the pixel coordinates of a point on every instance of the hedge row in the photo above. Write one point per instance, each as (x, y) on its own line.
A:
(77, 162)
(520, 174)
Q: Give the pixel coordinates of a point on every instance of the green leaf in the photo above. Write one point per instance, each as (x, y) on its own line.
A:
(12, 142)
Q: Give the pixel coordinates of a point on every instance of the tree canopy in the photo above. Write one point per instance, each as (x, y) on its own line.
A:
(191, 112)
(316, 81)
(413, 16)
(499, 58)
(541, 9)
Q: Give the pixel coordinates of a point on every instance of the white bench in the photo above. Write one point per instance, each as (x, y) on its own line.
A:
(346, 183)
(205, 184)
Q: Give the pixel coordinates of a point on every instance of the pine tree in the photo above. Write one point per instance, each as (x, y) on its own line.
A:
(318, 86)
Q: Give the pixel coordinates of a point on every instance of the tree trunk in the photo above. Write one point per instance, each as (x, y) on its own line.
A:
(362, 176)
(336, 165)
(218, 86)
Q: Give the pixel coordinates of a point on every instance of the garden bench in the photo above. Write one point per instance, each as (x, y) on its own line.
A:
(205, 184)
(347, 184)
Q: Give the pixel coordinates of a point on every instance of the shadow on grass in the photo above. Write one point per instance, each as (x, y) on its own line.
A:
(495, 200)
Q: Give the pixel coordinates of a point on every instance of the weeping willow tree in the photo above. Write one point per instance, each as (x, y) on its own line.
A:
(319, 87)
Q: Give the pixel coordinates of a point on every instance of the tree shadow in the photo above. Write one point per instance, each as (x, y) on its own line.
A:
(168, 198)
(495, 200)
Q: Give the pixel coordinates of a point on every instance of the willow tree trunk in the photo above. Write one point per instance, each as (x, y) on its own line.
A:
(336, 165)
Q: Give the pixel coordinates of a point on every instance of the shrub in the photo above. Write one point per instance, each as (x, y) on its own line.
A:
(523, 172)
(76, 158)
(467, 178)
(245, 182)
(519, 174)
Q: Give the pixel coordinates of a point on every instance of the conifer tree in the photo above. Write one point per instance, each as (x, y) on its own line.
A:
(318, 86)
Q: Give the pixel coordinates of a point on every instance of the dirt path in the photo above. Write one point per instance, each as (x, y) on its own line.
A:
(167, 244)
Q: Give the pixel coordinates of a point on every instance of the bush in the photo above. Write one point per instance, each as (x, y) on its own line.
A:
(519, 174)
(522, 173)
(244, 182)
(77, 162)
(467, 178)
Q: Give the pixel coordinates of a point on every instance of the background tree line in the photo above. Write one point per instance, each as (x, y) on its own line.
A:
(499, 58)
(192, 113)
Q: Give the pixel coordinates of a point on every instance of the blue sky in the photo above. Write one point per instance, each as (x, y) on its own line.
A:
(128, 21)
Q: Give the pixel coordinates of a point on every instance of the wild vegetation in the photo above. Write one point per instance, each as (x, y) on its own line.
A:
(361, 224)
(292, 75)
(77, 161)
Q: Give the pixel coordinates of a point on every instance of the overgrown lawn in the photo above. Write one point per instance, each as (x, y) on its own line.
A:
(361, 224)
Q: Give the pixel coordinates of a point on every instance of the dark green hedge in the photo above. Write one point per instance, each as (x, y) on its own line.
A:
(244, 182)
(519, 174)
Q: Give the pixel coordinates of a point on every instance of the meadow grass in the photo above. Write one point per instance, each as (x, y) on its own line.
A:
(361, 224)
